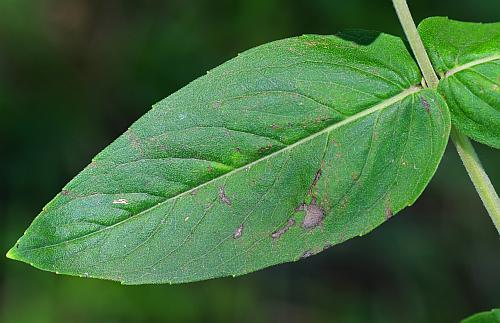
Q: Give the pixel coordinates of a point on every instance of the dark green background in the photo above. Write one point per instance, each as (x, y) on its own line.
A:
(74, 74)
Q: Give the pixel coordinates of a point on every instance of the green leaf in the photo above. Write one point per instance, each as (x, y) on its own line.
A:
(276, 155)
(492, 316)
(466, 57)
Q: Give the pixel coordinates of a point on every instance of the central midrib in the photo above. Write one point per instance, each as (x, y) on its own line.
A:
(380, 106)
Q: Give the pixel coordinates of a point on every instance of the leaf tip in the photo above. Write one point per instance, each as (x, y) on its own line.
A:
(12, 254)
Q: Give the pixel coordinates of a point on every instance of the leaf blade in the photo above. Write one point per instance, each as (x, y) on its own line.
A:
(120, 219)
(467, 58)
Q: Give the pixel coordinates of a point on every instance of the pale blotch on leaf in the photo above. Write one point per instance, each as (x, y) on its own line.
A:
(239, 231)
(222, 196)
(120, 201)
(314, 215)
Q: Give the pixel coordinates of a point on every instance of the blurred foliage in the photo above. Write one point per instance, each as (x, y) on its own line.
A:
(74, 74)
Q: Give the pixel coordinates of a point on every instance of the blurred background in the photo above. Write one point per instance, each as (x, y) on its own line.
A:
(75, 73)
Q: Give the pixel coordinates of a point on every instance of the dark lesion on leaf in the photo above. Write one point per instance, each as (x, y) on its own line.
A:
(307, 254)
(278, 233)
(327, 246)
(425, 104)
(315, 181)
(314, 214)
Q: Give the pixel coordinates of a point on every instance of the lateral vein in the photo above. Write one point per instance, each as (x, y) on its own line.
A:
(471, 64)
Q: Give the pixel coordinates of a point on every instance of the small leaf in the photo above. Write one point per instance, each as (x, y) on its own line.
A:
(276, 155)
(492, 316)
(466, 57)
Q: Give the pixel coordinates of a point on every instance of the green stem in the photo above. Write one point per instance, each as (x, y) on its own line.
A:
(464, 147)
(416, 44)
(478, 176)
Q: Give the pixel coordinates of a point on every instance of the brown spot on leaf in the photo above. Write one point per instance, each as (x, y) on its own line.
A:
(314, 215)
(355, 176)
(307, 254)
(274, 126)
(239, 231)
(65, 192)
(278, 233)
(316, 179)
(328, 245)
(388, 213)
(265, 149)
(222, 196)
(425, 104)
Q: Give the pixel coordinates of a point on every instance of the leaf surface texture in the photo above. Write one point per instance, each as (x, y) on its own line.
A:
(276, 155)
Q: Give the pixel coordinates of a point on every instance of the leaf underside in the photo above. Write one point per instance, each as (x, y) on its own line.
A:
(276, 155)
(467, 58)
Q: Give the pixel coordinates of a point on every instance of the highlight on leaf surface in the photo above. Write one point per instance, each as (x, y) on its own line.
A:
(276, 155)
(466, 57)
(492, 316)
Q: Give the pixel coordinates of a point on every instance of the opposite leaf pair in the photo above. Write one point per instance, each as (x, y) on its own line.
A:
(288, 149)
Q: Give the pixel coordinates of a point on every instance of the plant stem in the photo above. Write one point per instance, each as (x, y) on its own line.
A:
(478, 176)
(462, 143)
(416, 44)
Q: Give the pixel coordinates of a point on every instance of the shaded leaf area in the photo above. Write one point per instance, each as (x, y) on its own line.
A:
(492, 316)
(275, 155)
(467, 59)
